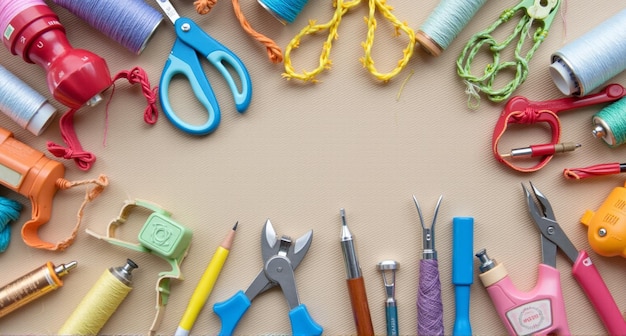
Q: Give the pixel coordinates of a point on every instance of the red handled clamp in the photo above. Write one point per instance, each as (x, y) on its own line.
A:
(520, 110)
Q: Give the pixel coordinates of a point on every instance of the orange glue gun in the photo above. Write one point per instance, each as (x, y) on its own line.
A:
(607, 226)
(30, 173)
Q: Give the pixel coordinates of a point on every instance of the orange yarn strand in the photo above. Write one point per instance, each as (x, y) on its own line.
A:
(274, 52)
(100, 183)
(204, 6)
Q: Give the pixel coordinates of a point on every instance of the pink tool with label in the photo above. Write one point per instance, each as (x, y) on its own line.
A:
(541, 311)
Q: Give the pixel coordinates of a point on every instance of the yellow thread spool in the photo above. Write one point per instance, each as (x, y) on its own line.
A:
(100, 302)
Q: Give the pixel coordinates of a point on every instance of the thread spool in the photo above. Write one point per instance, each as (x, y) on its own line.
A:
(32, 30)
(33, 285)
(101, 301)
(23, 104)
(444, 24)
(592, 59)
(284, 11)
(131, 23)
(610, 123)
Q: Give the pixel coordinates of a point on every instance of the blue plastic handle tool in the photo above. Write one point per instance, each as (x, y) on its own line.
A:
(391, 314)
(184, 60)
(233, 309)
(462, 272)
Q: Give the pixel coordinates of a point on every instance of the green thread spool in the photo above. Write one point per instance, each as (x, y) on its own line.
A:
(610, 123)
(445, 23)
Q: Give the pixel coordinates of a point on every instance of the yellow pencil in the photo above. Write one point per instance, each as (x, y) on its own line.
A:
(203, 290)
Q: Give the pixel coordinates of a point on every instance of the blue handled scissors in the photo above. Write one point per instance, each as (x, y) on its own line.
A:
(184, 60)
(280, 259)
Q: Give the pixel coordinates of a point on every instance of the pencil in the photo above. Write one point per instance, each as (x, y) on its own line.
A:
(205, 285)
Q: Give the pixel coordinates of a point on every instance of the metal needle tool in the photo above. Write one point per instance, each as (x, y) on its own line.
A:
(356, 284)
(429, 305)
(389, 267)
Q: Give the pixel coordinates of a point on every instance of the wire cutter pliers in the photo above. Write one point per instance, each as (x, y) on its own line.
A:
(542, 310)
(280, 259)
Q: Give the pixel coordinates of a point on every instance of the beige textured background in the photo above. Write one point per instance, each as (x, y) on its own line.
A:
(300, 153)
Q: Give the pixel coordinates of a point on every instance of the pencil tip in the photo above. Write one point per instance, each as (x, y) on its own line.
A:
(235, 227)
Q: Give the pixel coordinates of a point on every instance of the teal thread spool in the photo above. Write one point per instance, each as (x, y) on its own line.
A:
(445, 23)
(610, 123)
(285, 11)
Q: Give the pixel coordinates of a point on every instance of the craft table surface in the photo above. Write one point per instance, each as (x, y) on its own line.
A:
(300, 153)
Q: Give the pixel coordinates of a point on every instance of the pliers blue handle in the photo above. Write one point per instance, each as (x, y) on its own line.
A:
(281, 258)
(232, 310)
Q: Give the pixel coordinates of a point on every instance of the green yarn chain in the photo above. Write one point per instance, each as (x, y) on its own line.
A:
(485, 82)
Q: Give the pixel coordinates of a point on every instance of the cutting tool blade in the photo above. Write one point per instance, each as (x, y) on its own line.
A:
(169, 10)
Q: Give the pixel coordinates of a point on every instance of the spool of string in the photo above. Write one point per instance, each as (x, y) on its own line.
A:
(131, 22)
(23, 104)
(592, 59)
(445, 23)
(610, 123)
(101, 301)
(9, 211)
(285, 11)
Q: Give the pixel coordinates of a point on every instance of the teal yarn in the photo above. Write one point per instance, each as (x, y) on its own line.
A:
(9, 211)
(448, 19)
(285, 11)
(610, 123)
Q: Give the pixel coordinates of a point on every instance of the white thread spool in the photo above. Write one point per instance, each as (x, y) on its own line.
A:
(593, 59)
(23, 104)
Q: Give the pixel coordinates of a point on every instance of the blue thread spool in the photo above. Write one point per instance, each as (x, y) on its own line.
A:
(591, 60)
(610, 123)
(445, 23)
(285, 11)
(24, 105)
(130, 22)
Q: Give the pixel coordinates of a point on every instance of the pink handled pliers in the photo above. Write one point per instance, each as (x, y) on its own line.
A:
(542, 310)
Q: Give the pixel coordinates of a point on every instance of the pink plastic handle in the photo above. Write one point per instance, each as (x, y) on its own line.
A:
(594, 287)
(540, 311)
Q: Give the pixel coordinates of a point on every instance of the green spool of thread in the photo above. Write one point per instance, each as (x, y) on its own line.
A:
(610, 123)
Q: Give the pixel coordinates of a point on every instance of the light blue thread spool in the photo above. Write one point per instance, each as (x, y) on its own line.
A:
(610, 123)
(9, 211)
(592, 59)
(131, 23)
(285, 11)
(23, 104)
(445, 23)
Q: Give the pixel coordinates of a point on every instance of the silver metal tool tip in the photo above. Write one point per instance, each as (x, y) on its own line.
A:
(342, 212)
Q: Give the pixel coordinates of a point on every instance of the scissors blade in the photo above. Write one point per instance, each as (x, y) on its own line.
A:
(169, 10)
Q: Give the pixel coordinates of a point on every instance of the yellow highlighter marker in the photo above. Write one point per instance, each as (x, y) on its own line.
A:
(203, 290)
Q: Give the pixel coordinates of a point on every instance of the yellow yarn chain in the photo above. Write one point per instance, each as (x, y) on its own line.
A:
(341, 8)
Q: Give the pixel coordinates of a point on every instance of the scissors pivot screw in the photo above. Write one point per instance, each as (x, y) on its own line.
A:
(602, 232)
(185, 27)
